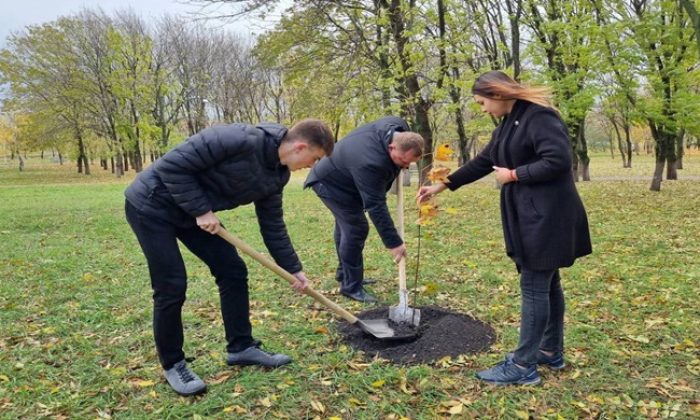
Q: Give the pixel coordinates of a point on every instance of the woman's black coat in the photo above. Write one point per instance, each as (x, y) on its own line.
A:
(544, 222)
(221, 168)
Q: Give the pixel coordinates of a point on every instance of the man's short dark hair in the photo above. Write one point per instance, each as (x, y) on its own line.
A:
(408, 140)
(315, 132)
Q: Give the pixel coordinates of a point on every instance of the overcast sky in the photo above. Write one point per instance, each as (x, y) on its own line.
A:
(16, 14)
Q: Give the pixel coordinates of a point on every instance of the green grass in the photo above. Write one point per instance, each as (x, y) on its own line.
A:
(75, 310)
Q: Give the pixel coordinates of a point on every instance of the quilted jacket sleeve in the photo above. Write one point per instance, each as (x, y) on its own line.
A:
(371, 182)
(179, 167)
(274, 232)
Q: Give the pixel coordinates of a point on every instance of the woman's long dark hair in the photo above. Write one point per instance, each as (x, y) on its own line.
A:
(498, 85)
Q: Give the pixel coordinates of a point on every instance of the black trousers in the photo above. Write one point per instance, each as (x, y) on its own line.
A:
(542, 315)
(350, 234)
(158, 240)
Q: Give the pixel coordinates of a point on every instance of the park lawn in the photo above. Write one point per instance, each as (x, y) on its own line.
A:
(75, 310)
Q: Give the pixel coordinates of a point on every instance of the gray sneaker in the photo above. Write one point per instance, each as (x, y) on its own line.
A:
(255, 356)
(183, 381)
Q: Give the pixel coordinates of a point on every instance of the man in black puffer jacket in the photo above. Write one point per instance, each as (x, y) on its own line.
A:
(220, 168)
(354, 180)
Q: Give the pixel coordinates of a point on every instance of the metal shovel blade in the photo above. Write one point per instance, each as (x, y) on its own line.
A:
(377, 327)
(380, 329)
(404, 314)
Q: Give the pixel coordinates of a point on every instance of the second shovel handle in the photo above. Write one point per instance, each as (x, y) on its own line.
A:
(400, 223)
(248, 250)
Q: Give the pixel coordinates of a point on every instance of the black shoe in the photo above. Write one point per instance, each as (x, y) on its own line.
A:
(360, 296)
(255, 356)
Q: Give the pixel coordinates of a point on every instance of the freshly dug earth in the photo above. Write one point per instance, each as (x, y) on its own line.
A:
(440, 333)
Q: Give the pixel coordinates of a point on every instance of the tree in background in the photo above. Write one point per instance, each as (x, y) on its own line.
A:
(121, 84)
(664, 37)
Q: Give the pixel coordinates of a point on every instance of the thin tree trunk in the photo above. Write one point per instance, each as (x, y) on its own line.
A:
(582, 150)
(619, 141)
(125, 162)
(658, 172)
(671, 173)
(628, 156)
(679, 149)
(82, 158)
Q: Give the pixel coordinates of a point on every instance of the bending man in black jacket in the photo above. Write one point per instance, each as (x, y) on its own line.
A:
(355, 179)
(220, 168)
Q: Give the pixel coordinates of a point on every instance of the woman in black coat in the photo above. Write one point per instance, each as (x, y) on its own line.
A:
(544, 222)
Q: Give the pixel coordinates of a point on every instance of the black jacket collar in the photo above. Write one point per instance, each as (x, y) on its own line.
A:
(274, 133)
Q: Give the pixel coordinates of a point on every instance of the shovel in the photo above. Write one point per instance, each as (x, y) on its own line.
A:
(378, 328)
(402, 314)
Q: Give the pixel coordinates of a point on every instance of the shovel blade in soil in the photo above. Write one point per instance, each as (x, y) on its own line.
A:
(377, 327)
(404, 315)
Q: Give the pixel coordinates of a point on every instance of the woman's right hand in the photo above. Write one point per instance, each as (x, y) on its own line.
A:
(426, 193)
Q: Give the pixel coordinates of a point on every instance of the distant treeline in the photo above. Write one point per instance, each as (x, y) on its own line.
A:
(624, 72)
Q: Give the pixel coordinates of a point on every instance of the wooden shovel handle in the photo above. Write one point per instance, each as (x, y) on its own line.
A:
(248, 250)
(400, 222)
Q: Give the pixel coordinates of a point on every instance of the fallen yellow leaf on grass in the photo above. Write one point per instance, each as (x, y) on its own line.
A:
(357, 366)
(318, 406)
(452, 407)
(321, 330)
(219, 378)
(639, 338)
(4, 378)
(378, 384)
(141, 383)
(457, 409)
(522, 414)
(235, 409)
(403, 386)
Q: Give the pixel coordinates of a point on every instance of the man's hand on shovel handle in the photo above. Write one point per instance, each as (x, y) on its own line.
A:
(398, 252)
(209, 222)
(301, 283)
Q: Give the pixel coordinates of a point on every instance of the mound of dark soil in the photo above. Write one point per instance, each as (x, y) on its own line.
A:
(440, 333)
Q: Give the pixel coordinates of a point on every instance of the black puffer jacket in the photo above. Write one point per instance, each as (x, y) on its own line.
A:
(544, 222)
(360, 172)
(221, 168)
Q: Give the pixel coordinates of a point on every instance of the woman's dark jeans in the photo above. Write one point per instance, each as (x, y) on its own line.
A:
(158, 240)
(542, 315)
